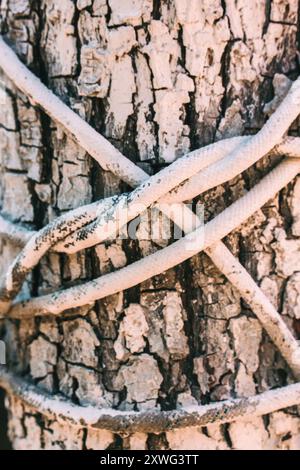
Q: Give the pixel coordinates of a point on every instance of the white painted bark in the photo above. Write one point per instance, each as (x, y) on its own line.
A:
(157, 79)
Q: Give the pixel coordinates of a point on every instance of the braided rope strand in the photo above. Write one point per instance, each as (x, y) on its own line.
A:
(60, 409)
(197, 176)
(106, 214)
(162, 260)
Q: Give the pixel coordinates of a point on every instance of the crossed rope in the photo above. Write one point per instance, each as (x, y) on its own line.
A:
(167, 190)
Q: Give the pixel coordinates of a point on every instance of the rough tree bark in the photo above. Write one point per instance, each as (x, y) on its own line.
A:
(157, 78)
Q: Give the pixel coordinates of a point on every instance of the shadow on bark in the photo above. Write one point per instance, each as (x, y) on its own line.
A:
(4, 442)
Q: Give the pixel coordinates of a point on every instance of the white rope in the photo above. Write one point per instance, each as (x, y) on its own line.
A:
(154, 421)
(182, 180)
(162, 260)
(219, 166)
(178, 252)
(124, 207)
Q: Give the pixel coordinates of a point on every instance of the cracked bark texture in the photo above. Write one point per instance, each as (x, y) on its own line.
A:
(157, 78)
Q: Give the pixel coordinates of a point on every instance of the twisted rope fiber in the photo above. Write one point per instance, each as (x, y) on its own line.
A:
(30, 256)
(29, 84)
(282, 338)
(241, 156)
(156, 421)
(118, 207)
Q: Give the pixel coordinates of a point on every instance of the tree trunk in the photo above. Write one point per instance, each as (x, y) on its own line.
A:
(157, 79)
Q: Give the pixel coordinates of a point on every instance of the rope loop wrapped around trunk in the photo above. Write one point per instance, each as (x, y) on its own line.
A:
(167, 190)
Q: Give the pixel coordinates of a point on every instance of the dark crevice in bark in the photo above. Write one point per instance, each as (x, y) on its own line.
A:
(157, 441)
(84, 438)
(157, 161)
(192, 327)
(75, 21)
(130, 148)
(225, 67)
(40, 208)
(226, 435)
(232, 374)
(75, 386)
(168, 389)
(156, 13)
(108, 15)
(132, 252)
(296, 328)
(298, 34)
(268, 4)
(4, 441)
(117, 444)
(191, 116)
(39, 213)
(97, 121)
(38, 52)
(284, 23)
(285, 210)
